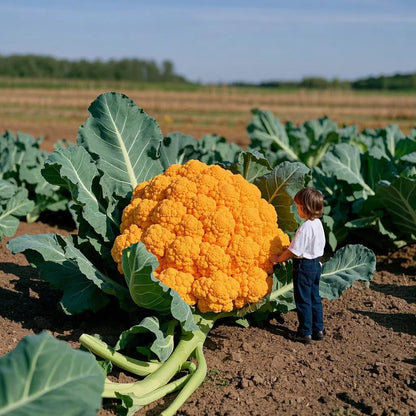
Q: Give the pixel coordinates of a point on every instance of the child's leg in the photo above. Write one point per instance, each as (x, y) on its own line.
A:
(317, 312)
(302, 291)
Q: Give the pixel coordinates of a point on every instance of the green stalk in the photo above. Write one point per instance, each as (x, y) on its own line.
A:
(278, 292)
(157, 383)
(194, 382)
(100, 348)
(164, 373)
(161, 392)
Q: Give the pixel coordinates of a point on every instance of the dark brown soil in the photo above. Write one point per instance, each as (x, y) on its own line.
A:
(365, 365)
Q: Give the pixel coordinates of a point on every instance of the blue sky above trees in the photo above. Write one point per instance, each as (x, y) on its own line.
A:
(222, 41)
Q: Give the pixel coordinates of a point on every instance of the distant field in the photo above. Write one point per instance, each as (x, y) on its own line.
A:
(55, 111)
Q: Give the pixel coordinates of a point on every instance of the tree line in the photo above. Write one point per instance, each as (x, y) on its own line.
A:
(35, 66)
(383, 82)
(140, 70)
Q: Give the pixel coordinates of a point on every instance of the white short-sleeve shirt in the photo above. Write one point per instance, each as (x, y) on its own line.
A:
(309, 241)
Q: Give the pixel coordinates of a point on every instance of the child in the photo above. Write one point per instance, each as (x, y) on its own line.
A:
(305, 249)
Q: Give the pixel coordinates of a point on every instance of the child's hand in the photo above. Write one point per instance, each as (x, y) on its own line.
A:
(274, 258)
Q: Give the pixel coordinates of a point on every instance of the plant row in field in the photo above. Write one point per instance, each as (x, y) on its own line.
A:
(119, 151)
(367, 177)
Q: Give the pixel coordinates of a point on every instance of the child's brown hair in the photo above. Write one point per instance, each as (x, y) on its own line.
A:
(312, 202)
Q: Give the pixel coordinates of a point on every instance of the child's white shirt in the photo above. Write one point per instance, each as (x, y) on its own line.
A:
(309, 241)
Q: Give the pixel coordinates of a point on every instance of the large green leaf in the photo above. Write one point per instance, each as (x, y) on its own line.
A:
(22, 160)
(250, 165)
(350, 263)
(399, 199)
(174, 148)
(44, 376)
(266, 131)
(406, 152)
(73, 169)
(385, 141)
(162, 346)
(16, 207)
(17, 152)
(124, 139)
(374, 170)
(7, 190)
(312, 139)
(279, 188)
(66, 268)
(213, 149)
(281, 296)
(344, 162)
(149, 292)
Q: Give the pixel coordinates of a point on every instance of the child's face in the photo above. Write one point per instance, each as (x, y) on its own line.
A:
(301, 211)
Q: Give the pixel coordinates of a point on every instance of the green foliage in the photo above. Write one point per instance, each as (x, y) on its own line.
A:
(163, 344)
(250, 165)
(83, 285)
(21, 162)
(354, 170)
(349, 264)
(267, 135)
(363, 191)
(149, 71)
(307, 143)
(149, 292)
(392, 82)
(45, 376)
(118, 147)
(110, 136)
(399, 200)
(279, 187)
(14, 204)
(37, 66)
(211, 148)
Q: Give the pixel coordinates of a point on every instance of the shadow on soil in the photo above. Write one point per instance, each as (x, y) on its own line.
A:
(25, 297)
(61, 219)
(398, 322)
(361, 406)
(279, 330)
(34, 303)
(21, 272)
(408, 293)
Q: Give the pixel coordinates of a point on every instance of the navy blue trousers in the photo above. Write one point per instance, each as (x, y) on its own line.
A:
(306, 276)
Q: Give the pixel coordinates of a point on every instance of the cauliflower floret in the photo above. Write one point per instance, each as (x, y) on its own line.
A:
(181, 281)
(212, 233)
(131, 235)
(216, 293)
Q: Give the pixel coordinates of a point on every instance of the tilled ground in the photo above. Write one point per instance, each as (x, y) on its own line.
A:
(365, 365)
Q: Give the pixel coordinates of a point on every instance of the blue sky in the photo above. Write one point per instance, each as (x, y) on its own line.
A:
(222, 41)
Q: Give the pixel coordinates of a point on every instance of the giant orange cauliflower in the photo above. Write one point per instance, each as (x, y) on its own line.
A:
(211, 232)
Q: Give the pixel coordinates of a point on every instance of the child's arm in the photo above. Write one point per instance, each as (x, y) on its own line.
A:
(285, 255)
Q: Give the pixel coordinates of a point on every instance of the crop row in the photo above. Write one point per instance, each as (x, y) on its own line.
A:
(120, 157)
(368, 177)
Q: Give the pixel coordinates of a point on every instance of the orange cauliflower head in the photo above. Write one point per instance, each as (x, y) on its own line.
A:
(211, 232)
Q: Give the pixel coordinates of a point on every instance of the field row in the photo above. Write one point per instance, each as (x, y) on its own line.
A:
(57, 114)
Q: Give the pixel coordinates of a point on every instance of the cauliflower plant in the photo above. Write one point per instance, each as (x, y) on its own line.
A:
(211, 232)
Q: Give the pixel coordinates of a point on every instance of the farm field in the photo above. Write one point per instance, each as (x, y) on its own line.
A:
(366, 365)
(57, 113)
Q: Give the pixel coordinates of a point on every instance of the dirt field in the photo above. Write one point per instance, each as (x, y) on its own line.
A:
(367, 363)
(365, 366)
(57, 114)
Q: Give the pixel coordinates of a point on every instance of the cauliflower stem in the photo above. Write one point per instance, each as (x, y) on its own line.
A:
(157, 376)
